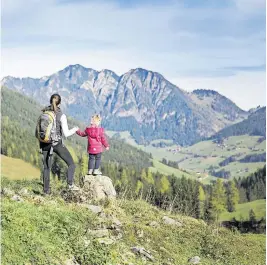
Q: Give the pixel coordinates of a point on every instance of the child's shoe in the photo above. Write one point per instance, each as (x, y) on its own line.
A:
(90, 172)
(97, 172)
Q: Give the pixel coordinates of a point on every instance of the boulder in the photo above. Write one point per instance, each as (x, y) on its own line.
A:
(99, 187)
(154, 224)
(7, 192)
(24, 192)
(194, 260)
(17, 198)
(95, 209)
(169, 221)
(94, 188)
(143, 252)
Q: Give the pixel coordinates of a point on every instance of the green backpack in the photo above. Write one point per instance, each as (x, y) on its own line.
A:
(46, 127)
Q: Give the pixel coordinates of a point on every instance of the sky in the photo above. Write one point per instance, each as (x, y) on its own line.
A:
(209, 44)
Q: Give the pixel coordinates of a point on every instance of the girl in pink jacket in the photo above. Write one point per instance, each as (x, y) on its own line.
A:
(96, 139)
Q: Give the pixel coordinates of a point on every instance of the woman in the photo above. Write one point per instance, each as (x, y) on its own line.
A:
(59, 148)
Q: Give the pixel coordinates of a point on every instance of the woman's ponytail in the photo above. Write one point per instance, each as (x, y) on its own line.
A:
(55, 101)
(54, 104)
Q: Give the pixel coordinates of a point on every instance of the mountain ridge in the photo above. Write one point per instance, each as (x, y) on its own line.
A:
(255, 124)
(141, 101)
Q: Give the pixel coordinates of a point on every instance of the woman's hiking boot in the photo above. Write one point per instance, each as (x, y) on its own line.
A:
(73, 187)
(97, 172)
(90, 172)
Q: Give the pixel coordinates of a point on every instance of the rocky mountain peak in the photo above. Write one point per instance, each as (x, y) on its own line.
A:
(140, 101)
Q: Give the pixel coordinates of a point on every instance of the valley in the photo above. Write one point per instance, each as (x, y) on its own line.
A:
(204, 156)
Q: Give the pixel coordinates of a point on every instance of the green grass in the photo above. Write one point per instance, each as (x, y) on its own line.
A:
(166, 170)
(14, 168)
(49, 231)
(243, 169)
(242, 211)
(210, 154)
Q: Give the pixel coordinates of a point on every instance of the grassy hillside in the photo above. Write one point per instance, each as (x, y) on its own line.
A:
(55, 231)
(167, 170)
(14, 168)
(242, 211)
(203, 155)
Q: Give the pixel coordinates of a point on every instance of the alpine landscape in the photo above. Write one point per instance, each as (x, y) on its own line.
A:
(184, 178)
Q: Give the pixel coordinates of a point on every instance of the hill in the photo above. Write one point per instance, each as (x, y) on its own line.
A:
(238, 155)
(14, 168)
(255, 124)
(140, 101)
(122, 232)
(242, 211)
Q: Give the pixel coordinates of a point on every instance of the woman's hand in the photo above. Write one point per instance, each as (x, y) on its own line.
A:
(107, 148)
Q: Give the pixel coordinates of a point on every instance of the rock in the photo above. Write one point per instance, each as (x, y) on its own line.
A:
(82, 198)
(154, 224)
(24, 192)
(99, 187)
(118, 237)
(140, 233)
(95, 188)
(38, 199)
(144, 253)
(105, 241)
(86, 242)
(95, 209)
(99, 233)
(7, 192)
(74, 196)
(169, 221)
(102, 215)
(116, 222)
(194, 260)
(17, 198)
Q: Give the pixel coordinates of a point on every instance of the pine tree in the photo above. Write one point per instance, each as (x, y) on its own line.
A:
(164, 185)
(202, 195)
(218, 198)
(201, 201)
(124, 177)
(252, 216)
(209, 214)
(149, 177)
(139, 188)
(232, 196)
(242, 195)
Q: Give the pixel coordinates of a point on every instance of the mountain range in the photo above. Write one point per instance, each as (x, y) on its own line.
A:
(255, 124)
(140, 101)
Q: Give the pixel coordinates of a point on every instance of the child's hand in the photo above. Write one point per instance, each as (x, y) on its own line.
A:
(107, 148)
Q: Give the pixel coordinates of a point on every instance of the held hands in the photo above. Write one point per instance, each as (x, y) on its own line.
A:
(76, 128)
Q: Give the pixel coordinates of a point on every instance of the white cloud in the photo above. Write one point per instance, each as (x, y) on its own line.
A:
(178, 42)
(251, 6)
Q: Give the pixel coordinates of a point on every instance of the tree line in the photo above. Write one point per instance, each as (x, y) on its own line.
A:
(128, 167)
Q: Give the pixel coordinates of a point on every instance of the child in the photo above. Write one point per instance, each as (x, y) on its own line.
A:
(96, 139)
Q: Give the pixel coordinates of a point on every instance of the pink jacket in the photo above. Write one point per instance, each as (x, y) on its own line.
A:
(96, 139)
